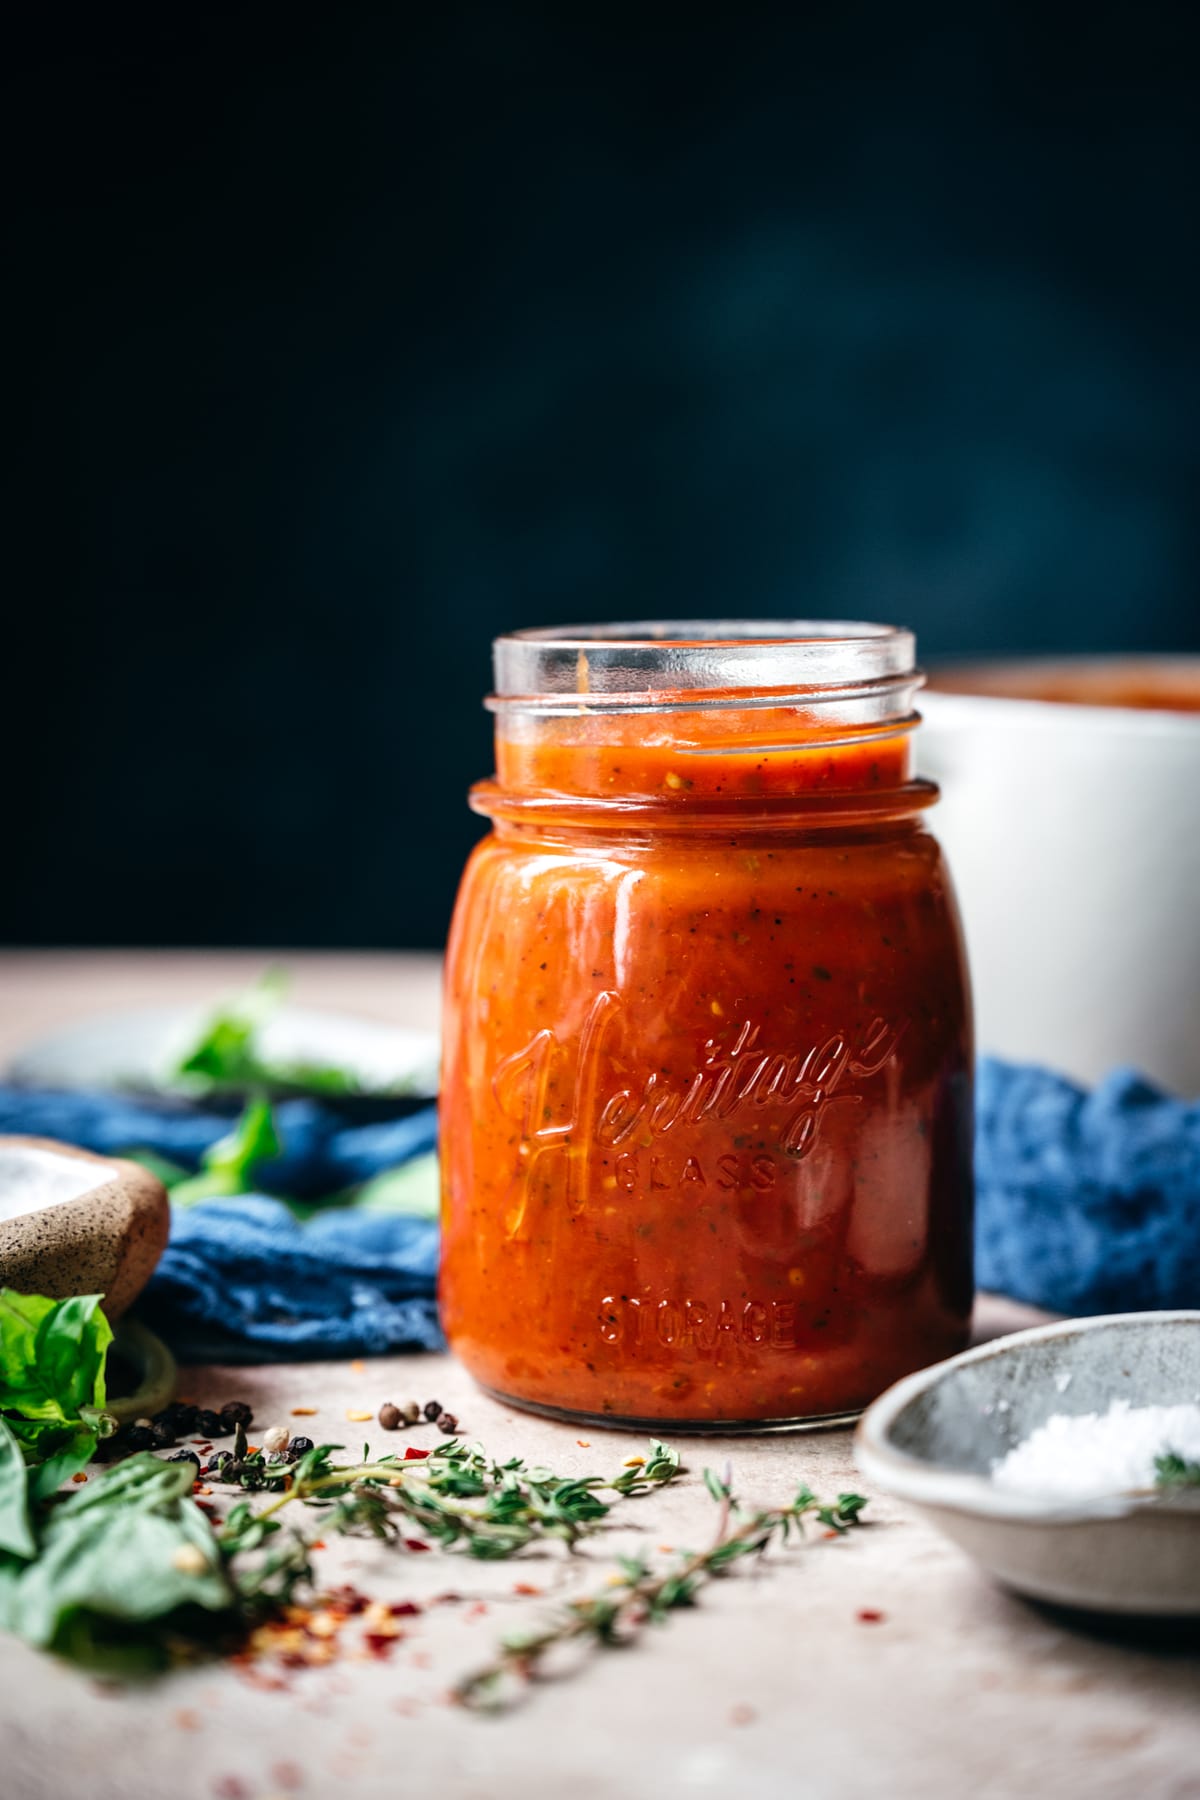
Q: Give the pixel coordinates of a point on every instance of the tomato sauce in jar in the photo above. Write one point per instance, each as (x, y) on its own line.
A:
(707, 1106)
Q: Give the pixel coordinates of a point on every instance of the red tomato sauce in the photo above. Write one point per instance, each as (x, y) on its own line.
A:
(706, 1126)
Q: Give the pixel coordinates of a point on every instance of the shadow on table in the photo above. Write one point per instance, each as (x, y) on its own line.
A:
(1127, 1630)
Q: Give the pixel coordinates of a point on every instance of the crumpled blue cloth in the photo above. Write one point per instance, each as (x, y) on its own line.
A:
(242, 1280)
(1087, 1202)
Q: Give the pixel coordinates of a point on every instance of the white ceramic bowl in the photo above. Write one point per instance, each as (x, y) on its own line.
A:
(932, 1440)
(1073, 835)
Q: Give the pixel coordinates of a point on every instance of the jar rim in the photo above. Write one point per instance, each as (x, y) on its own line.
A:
(684, 663)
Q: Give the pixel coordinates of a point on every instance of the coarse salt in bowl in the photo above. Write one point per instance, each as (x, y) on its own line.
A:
(1036, 1454)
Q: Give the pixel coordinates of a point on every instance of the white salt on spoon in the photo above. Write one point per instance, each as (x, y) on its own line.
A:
(1087, 1455)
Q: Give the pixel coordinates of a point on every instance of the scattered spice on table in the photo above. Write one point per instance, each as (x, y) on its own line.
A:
(237, 1578)
(637, 1594)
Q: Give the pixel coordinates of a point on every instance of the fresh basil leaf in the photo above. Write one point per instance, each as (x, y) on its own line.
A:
(71, 1454)
(228, 1167)
(40, 1438)
(71, 1347)
(52, 1355)
(131, 1547)
(20, 1316)
(224, 1054)
(16, 1533)
(169, 1173)
(411, 1188)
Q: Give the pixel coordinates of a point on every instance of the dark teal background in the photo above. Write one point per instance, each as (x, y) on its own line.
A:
(334, 352)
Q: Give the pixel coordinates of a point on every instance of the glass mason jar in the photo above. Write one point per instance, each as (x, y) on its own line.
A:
(707, 1080)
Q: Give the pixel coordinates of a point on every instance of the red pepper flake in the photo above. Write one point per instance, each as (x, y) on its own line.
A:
(230, 1787)
(317, 1544)
(80, 1476)
(584, 1443)
(870, 1615)
(412, 1454)
(347, 1599)
(380, 1643)
(742, 1715)
(477, 1611)
(446, 1599)
(525, 1587)
(831, 1534)
(404, 1609)
(415, 1544)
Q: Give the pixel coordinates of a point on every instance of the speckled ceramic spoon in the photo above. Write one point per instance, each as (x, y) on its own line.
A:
(75, 1223)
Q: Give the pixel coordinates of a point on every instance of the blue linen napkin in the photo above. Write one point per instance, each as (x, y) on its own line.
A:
(1087, 1202)
(242, 1280)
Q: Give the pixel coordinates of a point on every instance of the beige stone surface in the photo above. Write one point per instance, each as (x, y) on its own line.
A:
(41, 990)
(773, 1686)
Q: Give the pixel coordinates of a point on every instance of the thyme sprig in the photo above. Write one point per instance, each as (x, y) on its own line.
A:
(1173, 1471)
(458, 1496)
(641, 1595)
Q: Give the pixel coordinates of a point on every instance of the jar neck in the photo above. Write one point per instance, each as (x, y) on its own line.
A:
(688, 756)
(695, 713)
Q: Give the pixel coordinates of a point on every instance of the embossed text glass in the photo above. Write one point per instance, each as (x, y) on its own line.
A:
(706, 1113)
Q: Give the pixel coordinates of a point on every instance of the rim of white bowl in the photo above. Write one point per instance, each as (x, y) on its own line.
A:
(946, 706)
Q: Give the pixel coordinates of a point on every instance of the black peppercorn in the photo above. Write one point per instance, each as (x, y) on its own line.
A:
(237, 1412)
(447, 1422)
(211, 1425)
(186, 1456)
(299, 1446)
(177, 1418)
(389, 1416)
(163, 1433)
(139, 1437)
(220, 1464)
(431, 1409)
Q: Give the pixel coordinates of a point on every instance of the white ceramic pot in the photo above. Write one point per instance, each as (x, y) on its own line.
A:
(1073, 833)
